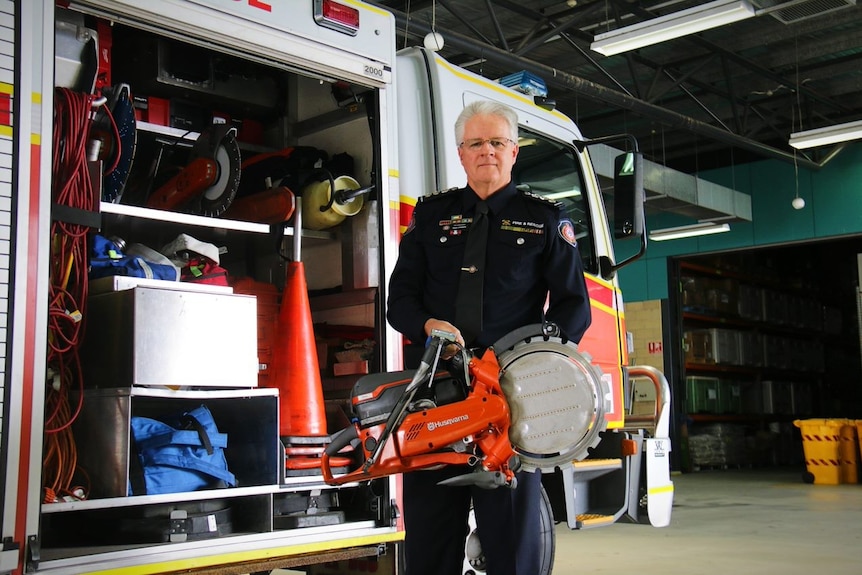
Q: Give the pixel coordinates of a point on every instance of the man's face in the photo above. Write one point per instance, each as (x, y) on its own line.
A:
(487, 168)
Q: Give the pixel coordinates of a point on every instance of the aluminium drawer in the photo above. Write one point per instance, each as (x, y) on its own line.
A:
(161, 337)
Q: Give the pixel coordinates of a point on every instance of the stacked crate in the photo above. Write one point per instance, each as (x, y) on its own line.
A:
(750, 348)
(702, 394)
(718, 445)
(729, 396)
(712, 346)
(769, 342)
(750, 302)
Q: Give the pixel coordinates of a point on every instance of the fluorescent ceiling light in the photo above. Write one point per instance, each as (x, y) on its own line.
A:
(670, 26)
(827, 135)
(700, 229)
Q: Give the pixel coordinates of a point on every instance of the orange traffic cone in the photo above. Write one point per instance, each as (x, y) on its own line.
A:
(297, 371)
(302, 412)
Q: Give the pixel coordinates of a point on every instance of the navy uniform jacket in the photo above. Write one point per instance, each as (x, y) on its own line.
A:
(531, 253)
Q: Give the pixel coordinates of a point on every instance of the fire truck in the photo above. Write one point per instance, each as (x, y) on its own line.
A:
(247, 167)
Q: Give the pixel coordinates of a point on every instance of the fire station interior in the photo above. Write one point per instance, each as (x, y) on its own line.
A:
(752, 340)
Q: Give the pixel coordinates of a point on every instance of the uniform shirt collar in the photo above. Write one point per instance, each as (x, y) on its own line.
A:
(495, 203)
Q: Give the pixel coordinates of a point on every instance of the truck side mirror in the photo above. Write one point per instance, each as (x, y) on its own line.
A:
(628, 196)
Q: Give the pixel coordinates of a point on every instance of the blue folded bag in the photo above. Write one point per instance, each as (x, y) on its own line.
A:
(106, 259)
(183, 453)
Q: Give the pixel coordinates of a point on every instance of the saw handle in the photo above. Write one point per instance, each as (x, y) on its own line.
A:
(341, 440)
(424, 372)
(536, 330)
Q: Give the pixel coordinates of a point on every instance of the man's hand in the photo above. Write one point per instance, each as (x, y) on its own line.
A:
(433, 324)
(449, 350)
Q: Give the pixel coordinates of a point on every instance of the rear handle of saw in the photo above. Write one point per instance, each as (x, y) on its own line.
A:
(343, 438)
(426, 369)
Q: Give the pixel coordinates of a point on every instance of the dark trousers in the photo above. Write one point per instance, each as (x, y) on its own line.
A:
(435, 519)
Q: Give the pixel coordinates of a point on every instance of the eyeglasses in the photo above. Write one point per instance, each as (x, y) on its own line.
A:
(497, 143)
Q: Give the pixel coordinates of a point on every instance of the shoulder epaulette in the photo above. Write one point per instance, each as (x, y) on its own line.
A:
(542, 199)
(437, 194)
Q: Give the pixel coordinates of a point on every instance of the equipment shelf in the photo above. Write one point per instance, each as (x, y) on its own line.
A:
(164, 216)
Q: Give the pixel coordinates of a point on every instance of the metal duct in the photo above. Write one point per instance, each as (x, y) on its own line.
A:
(669, 190)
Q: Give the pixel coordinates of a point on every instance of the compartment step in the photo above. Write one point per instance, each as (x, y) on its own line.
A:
(588, 520)
(589, 469)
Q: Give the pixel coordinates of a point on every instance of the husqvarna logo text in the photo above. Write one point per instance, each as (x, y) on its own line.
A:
(432, 425)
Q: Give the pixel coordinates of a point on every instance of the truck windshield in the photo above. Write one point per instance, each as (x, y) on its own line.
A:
(551, 169)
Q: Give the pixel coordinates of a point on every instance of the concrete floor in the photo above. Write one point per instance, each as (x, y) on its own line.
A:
(730, 522)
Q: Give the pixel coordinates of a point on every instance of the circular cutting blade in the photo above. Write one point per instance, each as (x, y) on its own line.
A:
(224, 149)
(557, 398)
(123, 111)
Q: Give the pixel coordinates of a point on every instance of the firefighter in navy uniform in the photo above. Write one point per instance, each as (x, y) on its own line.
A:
(532, 259)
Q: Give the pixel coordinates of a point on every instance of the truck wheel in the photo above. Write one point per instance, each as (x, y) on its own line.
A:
(474, 559)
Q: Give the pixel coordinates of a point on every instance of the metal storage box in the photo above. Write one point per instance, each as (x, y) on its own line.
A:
(701, 394)
(149, 336)
(750, 302)
(750, 349)
(751, 398)
(722, 296)
(729, 396)
(712, 346)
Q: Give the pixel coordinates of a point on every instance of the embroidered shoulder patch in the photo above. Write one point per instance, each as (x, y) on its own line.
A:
(567, 232)
(411, 225)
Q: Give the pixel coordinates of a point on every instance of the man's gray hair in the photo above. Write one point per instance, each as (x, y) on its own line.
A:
(486, 108)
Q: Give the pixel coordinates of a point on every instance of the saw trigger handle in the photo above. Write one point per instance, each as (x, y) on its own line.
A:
(341, 440)
(446, 336)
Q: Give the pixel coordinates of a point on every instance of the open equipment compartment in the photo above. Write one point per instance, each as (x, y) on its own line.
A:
(299, 113)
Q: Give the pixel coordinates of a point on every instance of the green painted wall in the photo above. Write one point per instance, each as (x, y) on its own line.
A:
(833, 208)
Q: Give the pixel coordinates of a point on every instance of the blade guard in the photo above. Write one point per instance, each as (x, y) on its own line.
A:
(558, 398)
